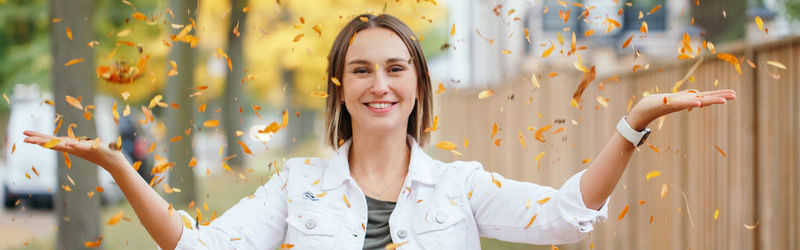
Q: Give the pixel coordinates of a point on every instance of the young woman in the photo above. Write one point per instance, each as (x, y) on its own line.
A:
(381, 189)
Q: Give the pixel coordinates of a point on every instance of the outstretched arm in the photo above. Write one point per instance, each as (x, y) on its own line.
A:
(151, 208)
(605, 171)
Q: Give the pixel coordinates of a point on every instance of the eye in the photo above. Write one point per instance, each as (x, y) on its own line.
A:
(360, 71)
(396, 68)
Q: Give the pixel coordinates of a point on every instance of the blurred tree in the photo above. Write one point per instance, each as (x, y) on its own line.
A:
(76, 212)
(719, 27)
(231, 121)
(180, 119)
(24, 45)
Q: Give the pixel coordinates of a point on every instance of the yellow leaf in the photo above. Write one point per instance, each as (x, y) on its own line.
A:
(52, 143)
(644, 27)
(759, 23)
(732, 60)
(652, 174)
(486, 94)
(319, 94)
(74, 102)
(446, 145)
(114, 219)
(336, 81)
(506, 52)
(587, 160)
(186, 222)
(211, 123)
(716, 214)
(663, 190)
(521, 138)
(226, 167)
(751, 227)
(69, 33)
(534, 80)
(602, 101)
(346, 202)
(453, 30)
(440, 89)
(777, 64)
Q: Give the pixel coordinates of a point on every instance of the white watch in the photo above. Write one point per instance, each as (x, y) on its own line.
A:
(635, 137)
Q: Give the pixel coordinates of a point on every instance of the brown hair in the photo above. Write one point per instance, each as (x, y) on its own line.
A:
(339, 126)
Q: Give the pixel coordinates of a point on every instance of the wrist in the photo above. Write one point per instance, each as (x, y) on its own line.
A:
(636, 121)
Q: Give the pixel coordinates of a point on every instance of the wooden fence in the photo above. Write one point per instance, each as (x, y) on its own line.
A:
(756, 181)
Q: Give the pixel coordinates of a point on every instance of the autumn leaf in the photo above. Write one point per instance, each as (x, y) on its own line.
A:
(720, 151)
(777, 64)
(588, 77)
(624, 211)
(652, 174)
(139, 16)
(643, 29)
(52, 143)
(211, 123)
(530, 222)
(73, 61)
(759, 23)
(69, 33)
(654, 9)
(245, 149)
(74, 102)
(732, 60)
(319, 94)
(92, 244)
(485, 94)
(446, 145)
(453, 30)
(548, 50)
(627, 42)
(115, 219)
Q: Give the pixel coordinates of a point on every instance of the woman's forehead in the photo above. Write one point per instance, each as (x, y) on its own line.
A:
(376, 45)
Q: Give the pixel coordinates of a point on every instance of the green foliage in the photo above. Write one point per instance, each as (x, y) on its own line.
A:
(24, 45)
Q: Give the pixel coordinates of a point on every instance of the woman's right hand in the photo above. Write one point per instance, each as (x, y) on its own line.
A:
(97, 153)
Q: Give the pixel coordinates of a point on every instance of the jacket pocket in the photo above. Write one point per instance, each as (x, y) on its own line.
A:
(307, 227)
(441, 226)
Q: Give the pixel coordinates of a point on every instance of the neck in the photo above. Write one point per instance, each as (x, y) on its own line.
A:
(379, 157)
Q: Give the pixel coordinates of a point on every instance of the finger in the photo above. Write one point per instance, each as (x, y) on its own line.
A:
(710, 100)
(728, 95)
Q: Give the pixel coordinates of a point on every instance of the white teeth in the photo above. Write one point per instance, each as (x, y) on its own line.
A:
(381, 105)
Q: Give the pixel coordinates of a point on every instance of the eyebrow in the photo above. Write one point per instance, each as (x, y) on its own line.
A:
(390, 60)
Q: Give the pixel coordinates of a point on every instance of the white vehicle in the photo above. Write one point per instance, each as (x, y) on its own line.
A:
(19, 180)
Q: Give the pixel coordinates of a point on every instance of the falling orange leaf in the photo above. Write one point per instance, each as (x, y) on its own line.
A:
(245, 148)
(115, 219)
(627, 42)
(643, 29)
(624, 211)
(91, 244)
(543, 201)
(588, 77)
(530, 222)
(453, 30)
(588, 33)
(69, 33)
(587, 160)
(720, 151)
(346, 202)
(211, 123)
(73, 61)
(538, 135)
(496, 182)
(654, 9)
(446, 145)
(732, 60)
(298, 37)
(74, 102)
(549, 50)
(139, 16)
(317, 29)
(52, 143)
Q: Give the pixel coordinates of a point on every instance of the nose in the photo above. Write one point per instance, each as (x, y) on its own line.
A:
(380, 84)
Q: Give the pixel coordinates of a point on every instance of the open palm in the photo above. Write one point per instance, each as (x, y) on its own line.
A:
(656, 105)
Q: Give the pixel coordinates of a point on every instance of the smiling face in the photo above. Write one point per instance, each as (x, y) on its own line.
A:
(379, 81)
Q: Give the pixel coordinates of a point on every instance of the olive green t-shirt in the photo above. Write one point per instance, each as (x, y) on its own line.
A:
(378, 234)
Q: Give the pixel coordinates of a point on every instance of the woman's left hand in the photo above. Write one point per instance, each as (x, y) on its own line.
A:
(653, 106)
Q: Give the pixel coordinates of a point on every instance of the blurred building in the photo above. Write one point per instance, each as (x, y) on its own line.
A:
(490, 45)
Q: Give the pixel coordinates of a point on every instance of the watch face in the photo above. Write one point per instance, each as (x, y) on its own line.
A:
(644, 137)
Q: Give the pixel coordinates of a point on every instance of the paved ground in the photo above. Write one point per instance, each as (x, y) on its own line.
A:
(19, 227)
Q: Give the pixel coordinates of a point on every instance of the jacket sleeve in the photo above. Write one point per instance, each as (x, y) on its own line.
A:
(256, 222)
(524, 212)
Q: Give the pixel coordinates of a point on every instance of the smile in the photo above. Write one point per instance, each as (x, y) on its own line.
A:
(380, 106)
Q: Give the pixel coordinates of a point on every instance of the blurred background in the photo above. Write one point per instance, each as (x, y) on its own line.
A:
(184, 87)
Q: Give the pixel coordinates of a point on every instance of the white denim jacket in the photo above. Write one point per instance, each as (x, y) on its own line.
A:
(317, 204)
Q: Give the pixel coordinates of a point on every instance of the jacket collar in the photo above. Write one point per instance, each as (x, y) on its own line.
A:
(421, 167)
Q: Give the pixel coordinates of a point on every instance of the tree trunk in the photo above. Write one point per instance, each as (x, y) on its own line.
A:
(232, 119)
(179, 120)
(76, 213)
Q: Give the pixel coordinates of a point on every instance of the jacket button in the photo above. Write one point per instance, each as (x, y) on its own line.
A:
(310, 224)
(440, 219)
(402, 234)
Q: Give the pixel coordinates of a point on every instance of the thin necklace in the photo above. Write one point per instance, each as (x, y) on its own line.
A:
(378, 195)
